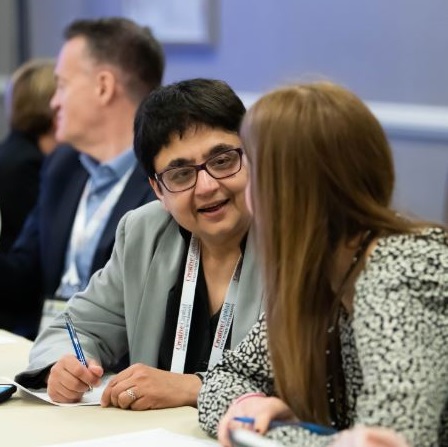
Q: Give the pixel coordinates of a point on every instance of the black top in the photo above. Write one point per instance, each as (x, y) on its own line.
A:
(20, 163)
(203, 327)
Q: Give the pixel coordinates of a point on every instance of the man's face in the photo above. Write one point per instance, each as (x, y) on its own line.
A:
(214, 210)
(76, 96)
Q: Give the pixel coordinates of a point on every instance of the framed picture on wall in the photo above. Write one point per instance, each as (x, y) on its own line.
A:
(185, 22)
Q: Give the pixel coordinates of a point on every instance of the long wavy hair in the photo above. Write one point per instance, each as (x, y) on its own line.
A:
(321, 172)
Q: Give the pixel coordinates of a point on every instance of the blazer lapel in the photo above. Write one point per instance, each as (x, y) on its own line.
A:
(62, 220)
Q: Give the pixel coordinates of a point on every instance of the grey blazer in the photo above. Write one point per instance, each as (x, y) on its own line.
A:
(122, 310)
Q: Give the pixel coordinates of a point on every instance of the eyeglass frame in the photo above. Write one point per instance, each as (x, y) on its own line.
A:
(200, 167)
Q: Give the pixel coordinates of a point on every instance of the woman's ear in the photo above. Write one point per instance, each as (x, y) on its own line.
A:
(155, 185)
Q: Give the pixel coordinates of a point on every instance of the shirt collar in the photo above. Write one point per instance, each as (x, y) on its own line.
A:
(111, 170)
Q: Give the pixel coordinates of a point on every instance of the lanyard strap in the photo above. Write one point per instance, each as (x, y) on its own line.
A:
(186, 310)
(83, 231)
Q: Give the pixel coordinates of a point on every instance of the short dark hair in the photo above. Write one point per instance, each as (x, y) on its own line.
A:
(176, 108)
(131, 48)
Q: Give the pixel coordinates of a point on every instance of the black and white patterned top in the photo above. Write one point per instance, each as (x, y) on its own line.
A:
(394, 349)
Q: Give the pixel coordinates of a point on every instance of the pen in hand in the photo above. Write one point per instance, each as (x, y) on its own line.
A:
(313, 428)
(75, 341)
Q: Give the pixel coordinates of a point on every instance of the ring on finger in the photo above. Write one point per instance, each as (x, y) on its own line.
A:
(130, 392)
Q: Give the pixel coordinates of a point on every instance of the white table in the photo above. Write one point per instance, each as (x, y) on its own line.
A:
(25, 421)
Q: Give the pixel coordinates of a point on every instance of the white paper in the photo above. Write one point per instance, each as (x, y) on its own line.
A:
(5, 339)
(90, 398)
(156, 437)
(249, 438)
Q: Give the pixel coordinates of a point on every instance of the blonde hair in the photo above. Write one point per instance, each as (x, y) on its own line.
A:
(28, 96)
(322, 172)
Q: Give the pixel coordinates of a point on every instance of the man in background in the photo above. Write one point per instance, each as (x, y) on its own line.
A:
(30, 138)
(104, 70)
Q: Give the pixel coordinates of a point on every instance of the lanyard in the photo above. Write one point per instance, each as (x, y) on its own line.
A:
(186, 310)
(83, 231)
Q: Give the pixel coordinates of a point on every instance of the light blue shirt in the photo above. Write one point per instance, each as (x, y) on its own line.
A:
(103, 177)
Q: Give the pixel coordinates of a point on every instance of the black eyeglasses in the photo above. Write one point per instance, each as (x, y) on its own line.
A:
(219, 166)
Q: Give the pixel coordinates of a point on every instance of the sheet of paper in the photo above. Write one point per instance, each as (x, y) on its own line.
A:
(6, 339)
(157, 436)
(90, 398)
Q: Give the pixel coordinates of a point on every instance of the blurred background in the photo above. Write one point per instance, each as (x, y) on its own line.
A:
(393, 54)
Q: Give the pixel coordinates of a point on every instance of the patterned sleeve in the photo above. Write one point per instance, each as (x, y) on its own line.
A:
(401, 333)
(245, 369)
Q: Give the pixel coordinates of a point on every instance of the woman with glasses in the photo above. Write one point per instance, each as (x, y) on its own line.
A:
(182, 283)
(356, 324)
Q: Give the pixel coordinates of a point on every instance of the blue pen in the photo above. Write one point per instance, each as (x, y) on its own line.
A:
(313, 428)
(74, 339)
(75, 342)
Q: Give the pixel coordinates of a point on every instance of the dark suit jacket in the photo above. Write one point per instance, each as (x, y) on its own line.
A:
(20, 163)
(34, 267)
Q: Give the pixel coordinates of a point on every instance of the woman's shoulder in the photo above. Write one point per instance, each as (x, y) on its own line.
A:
(425, 244)
(152, 214)
(147, 225)
(405, 279)
(416, 263)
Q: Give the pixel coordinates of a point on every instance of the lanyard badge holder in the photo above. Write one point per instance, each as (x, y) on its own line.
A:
(186, 310)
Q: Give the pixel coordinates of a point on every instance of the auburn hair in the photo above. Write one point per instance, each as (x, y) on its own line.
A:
(321, 172)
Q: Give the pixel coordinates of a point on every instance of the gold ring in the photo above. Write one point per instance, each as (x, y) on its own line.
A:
(131, 394)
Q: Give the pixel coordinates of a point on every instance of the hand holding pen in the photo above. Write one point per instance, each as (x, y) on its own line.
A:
(311, 427)
(70, 377)
(261, 408)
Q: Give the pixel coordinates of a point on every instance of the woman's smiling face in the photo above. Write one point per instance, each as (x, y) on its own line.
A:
(214, 209)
